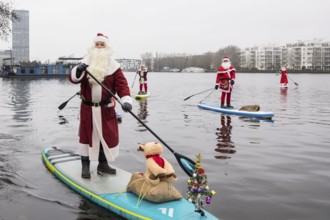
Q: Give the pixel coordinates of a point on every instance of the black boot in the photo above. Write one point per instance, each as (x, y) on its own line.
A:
(85, 172)
(103, 166)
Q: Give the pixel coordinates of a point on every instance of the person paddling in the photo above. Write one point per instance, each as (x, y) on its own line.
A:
(225, 80)
(142, 72)
(98, 130)
(284, 82)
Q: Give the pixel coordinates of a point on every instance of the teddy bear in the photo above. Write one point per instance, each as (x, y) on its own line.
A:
(157, 168)
(155, 184)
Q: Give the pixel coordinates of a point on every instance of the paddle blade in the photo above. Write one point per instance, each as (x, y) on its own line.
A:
(187, 98)
(185, 163)
(62, 105)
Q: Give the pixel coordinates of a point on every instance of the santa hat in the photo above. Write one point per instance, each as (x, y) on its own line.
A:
(101, 38)
(225, 59)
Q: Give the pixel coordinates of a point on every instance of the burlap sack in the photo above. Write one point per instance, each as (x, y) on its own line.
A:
(162, 192)
(250, 108)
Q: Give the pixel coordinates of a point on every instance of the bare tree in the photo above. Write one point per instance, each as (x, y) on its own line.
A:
(147, 60)
(7, 15)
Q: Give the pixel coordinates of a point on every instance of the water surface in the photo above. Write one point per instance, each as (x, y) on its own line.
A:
(260, 169)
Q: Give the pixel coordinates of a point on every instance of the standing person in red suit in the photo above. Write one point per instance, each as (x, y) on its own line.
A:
(225, 80)
(284, 77)
(98, 130)
(143, 71)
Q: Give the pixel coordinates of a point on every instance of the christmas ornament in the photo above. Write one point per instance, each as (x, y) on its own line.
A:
(198, 188)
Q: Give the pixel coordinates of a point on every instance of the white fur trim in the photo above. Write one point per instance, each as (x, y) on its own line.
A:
(101, 39)
(113, 66)
(126, 99)
(73, 75)
(93, 153)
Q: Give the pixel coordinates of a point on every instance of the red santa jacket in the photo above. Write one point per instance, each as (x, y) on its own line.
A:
(143, 74)
(224, 76)
(284, 77)
(117, 84)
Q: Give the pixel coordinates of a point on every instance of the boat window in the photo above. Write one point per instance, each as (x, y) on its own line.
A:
(56, 70)
(44, 69)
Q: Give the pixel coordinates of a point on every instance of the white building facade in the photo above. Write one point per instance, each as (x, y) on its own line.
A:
(308, 55)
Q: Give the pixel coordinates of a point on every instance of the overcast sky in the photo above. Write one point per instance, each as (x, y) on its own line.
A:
(67, 27)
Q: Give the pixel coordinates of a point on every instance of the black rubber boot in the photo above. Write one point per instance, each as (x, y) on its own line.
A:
(103, 166)
(85, 172)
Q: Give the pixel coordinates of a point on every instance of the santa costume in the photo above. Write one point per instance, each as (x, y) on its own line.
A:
(284, 77)
(142, 72)
(98, 131)
(226, 74)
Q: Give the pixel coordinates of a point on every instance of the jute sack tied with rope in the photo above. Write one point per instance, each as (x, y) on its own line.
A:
(250, 108)
(162, 192)
(155, 184)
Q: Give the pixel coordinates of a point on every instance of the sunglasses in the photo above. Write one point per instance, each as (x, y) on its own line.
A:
(100, 44)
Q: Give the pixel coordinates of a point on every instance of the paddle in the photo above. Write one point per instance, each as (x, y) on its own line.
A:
(207, 96)
(197, 94)
(185, 163)
(64, 103)
(293, 81)
(134, 80)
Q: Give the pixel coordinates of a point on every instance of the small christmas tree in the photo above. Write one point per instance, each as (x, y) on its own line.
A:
(198, 188)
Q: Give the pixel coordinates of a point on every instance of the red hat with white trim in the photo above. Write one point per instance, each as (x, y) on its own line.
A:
(225, 59)
(101, 38)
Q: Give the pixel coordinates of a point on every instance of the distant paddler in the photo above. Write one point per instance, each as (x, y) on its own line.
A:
(284, 82)
(142, 72)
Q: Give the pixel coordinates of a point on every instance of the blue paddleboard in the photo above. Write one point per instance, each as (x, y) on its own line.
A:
(109, 191)
(233, 111)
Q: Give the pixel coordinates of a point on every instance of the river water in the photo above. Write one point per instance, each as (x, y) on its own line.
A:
(260, 169)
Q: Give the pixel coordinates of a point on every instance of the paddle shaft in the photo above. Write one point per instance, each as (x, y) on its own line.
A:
(134, 80)
(66, 102)
(292, 80)
(207, 95)
(197, 94)
(139, 120)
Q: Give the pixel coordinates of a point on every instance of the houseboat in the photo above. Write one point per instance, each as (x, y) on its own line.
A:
(61, 68)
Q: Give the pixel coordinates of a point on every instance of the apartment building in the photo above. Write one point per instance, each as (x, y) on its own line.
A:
(308, 55)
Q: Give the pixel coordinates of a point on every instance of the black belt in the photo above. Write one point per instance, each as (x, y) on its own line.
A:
(95, 104)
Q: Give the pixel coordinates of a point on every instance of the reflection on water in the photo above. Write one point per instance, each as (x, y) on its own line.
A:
(19, 95)
(253, 122)
(142, 114)
(225, 146)
(284, 92)
(63, 120)
(91, 211)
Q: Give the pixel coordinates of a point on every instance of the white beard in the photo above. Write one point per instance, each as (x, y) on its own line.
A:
(99, 60)
(226, 65)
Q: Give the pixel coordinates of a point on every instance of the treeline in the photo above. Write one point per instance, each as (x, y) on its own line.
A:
(208, 61)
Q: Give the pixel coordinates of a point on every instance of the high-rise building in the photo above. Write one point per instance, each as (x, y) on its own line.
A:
(20, 37)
